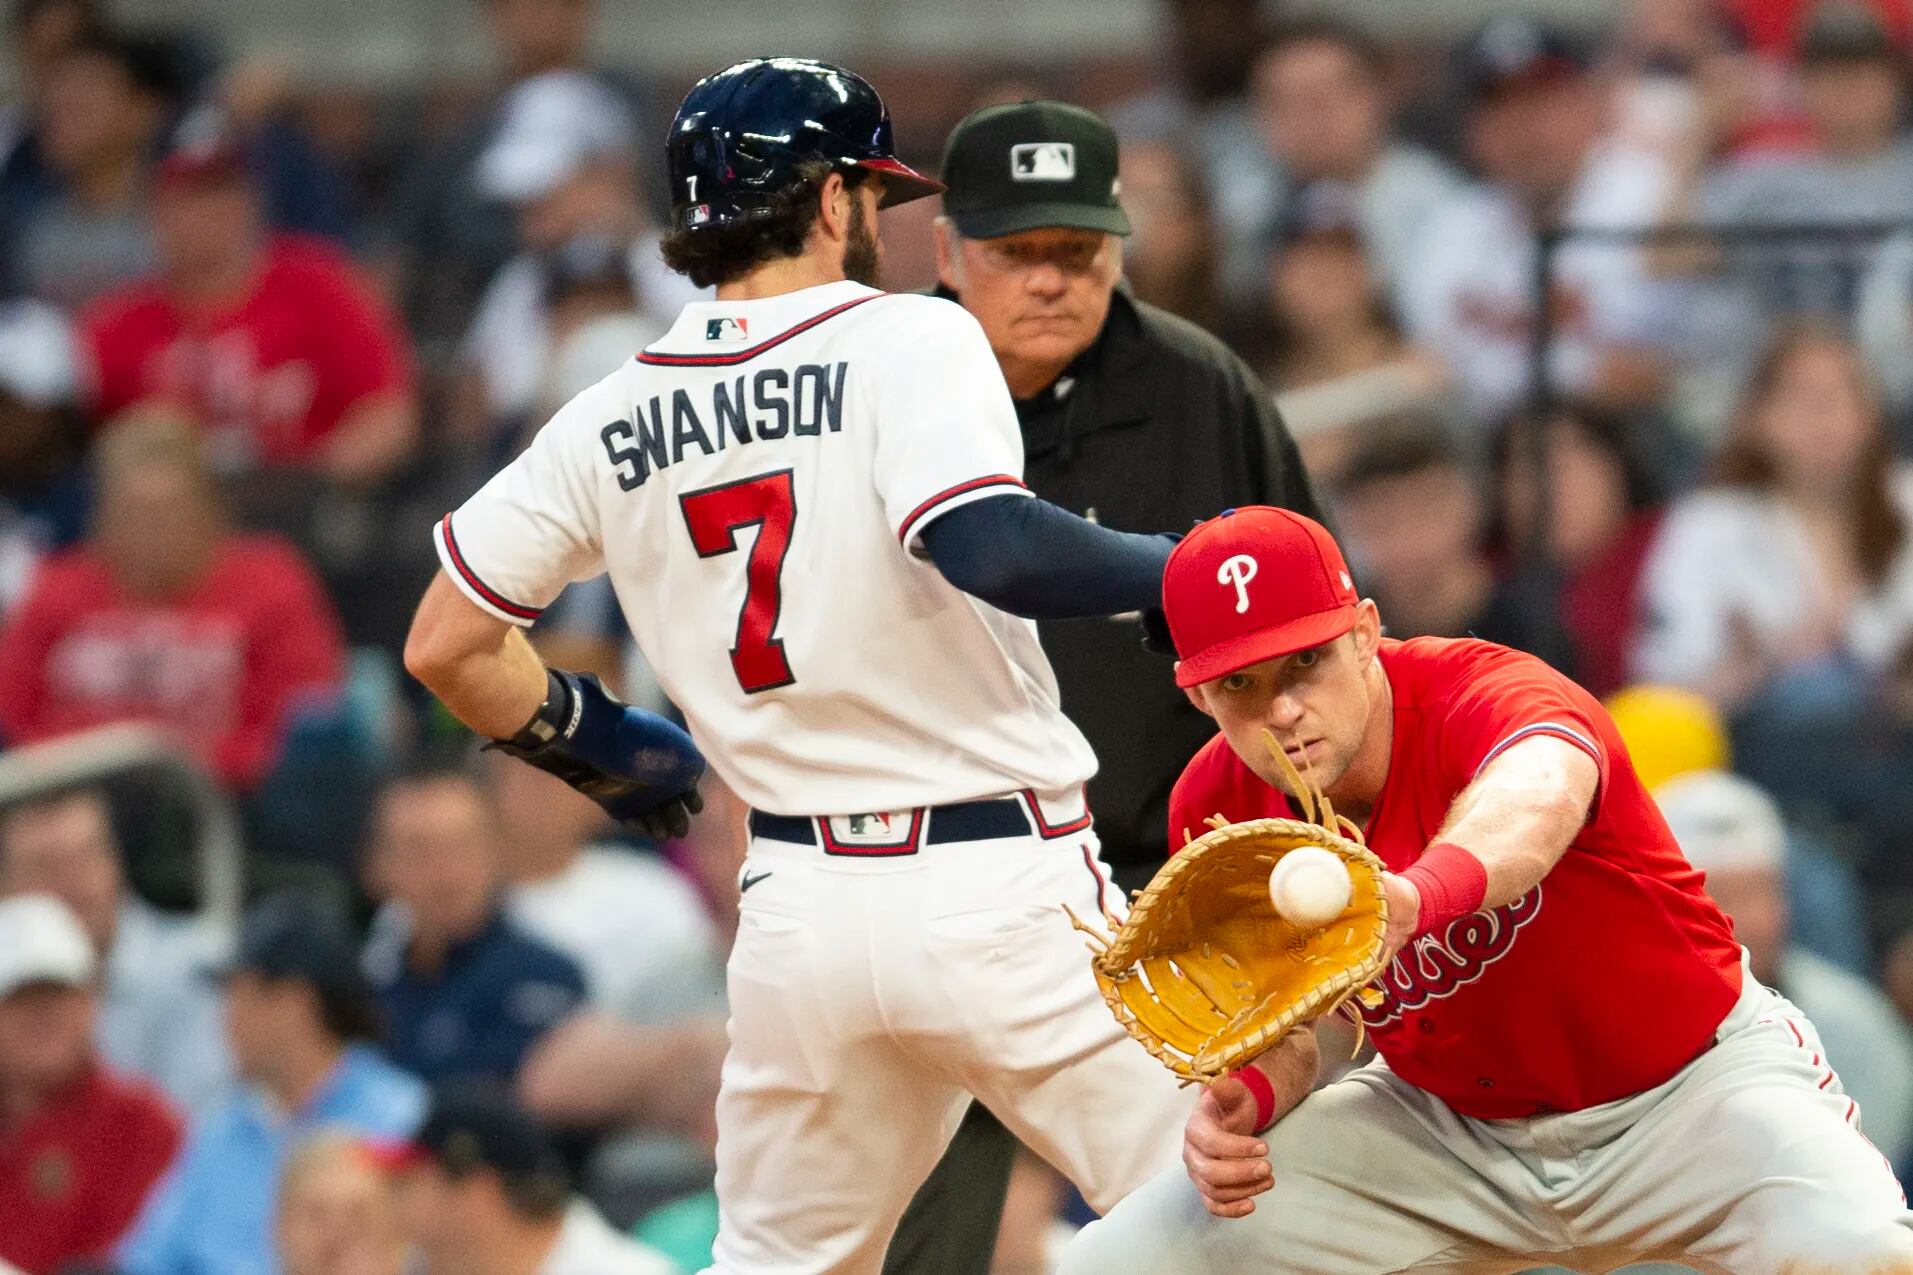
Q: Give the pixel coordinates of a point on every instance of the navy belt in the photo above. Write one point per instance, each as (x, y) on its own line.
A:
(959, 821)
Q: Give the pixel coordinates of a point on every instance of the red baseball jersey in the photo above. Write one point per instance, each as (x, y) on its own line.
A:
(224, 664)
(269, 376)
(73, 1177)
(1604, 980)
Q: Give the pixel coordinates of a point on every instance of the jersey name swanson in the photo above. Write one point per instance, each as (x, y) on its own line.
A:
(807, 400)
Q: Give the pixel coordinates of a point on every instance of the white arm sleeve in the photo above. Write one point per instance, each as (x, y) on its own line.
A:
(947, 432)
(533, 528)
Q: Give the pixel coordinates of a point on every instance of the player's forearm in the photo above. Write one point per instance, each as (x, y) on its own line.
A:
(1291, 1065)
(1522, 813)
(480, 667)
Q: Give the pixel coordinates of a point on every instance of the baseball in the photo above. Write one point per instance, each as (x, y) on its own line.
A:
(1310, 887)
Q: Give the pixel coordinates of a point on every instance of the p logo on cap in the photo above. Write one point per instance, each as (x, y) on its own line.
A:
(1303, 595)
(1238, 571)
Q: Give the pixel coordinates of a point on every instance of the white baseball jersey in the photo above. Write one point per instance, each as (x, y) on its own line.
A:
(755, 484)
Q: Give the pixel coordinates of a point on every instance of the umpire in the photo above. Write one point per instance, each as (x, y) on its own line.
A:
(1131, 417)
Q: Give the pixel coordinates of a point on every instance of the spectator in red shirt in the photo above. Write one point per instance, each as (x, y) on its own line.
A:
(273, 342)
(167, 616)
(79, 1147)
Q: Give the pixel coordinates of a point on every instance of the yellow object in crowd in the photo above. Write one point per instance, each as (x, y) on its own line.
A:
(1669, 732)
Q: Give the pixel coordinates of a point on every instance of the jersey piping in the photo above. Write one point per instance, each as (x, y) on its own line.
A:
(478, 586)
(951, 493)
(1556, 729)
(657, 359)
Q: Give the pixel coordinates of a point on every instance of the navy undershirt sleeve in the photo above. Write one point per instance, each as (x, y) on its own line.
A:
(1033, 559)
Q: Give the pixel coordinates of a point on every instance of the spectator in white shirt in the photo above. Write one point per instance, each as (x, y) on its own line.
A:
(1539, 129)
(1792, 565)
(1323, 110)
(1856, 168)
(160, 1016)
(564, 160)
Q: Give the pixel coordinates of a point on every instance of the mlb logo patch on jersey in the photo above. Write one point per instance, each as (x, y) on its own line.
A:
(1043, 162)
(727, 330)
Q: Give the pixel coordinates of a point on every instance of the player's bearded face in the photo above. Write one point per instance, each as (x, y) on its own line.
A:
(1314, 702)
(863, 254)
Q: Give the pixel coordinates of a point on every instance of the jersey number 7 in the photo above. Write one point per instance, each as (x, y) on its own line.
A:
(714, 516)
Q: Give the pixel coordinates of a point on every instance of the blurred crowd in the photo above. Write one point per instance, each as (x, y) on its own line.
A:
(1596, 343)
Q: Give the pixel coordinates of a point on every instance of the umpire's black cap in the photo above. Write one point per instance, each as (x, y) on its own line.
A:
(1028, 165)
(740, 136)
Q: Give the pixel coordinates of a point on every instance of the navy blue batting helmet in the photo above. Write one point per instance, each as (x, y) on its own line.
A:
(741, 135)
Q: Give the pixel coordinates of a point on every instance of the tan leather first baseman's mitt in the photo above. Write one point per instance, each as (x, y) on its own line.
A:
(1207, 974)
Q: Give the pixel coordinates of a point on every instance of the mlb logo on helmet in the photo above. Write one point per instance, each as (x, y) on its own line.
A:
(727, 329)
(1250, 585)
(1043, 162)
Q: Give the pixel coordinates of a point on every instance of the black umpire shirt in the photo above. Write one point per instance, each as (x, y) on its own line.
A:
(1155, 427)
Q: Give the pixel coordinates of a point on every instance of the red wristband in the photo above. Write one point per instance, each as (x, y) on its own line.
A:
(1264, 1092)
(1452, 884)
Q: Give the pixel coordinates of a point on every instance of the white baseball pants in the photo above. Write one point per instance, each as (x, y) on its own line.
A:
(872, 997)
(1750, 1161)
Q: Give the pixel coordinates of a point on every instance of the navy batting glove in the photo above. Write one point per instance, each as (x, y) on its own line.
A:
(1155, 625)
(1155, 634)
(640, 767)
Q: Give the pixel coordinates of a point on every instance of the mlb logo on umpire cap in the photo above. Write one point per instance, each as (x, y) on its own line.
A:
(727, 329)
(1043, 162)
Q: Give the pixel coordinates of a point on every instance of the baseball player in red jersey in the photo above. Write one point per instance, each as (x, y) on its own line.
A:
(1574, 1064)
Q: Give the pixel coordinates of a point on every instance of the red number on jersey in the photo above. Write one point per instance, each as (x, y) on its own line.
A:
(714, 516)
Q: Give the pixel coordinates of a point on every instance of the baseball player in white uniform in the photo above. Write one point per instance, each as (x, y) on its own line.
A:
(807, 497)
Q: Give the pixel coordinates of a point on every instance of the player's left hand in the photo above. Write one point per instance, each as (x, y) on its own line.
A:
(1404, 913)
(642, 768)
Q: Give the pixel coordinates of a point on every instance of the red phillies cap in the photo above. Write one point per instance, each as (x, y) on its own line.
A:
(1250, 585)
